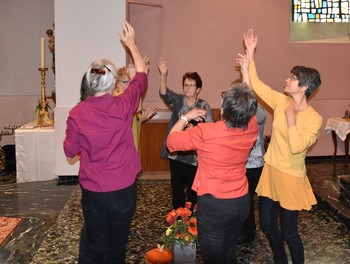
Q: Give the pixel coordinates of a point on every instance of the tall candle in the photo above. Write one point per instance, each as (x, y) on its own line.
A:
(42, 52)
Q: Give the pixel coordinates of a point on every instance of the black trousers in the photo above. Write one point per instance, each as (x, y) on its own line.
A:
(249, 226)
(182, 176)
(105, 232)
(219, 224)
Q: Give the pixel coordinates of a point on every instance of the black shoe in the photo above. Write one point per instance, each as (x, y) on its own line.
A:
(245, 239)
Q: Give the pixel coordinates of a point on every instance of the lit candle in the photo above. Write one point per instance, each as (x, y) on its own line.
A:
(42, 52)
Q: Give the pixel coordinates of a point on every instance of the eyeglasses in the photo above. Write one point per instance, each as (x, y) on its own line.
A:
(189, 85)
(223, 94)
(293, 78)
(123, 81)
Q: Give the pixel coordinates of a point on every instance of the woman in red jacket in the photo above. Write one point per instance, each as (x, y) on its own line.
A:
(220, 182)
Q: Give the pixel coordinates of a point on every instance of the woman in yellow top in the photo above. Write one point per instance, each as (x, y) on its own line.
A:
(124, 75)
(284, 188)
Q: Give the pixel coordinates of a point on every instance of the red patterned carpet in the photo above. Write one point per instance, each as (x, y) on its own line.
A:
(7, 225)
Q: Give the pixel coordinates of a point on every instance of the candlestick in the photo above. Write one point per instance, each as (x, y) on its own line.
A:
(42, 52)
(44, 119)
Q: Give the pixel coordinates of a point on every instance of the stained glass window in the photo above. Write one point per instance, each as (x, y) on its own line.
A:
(321, 11)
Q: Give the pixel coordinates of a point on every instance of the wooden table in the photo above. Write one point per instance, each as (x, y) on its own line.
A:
(339, 127)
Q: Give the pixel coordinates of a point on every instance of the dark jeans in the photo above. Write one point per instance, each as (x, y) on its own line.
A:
(253, 176)
(269, 212)
(182, 176)
(107, 218)
(219, 224)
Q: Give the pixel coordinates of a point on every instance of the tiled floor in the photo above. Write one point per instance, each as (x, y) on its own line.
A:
(52, 221)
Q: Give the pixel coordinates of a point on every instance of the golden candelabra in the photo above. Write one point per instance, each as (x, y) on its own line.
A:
(44, 119)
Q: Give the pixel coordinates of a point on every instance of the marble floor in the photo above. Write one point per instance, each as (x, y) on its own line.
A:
(49, 232)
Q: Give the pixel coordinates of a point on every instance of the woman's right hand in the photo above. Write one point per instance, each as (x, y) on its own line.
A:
(250, 40)
(163, 67)
(128, 35)
(242, 60)
(128, 39)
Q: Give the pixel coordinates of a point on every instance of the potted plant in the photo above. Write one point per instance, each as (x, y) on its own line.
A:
(181, 235)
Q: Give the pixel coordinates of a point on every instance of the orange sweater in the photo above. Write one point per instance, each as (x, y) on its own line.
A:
(222, 155)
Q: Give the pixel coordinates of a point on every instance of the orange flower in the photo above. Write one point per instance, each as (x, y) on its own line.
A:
(171, 217)
(183, 226)
(192, 227)
(188, 205)
(184, 213)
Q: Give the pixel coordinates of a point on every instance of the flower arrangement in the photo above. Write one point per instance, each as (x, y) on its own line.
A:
(183, 226)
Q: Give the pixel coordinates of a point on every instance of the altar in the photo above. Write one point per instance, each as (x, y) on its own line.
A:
(35, 153)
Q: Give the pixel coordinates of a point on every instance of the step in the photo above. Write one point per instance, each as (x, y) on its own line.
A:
(344, 182)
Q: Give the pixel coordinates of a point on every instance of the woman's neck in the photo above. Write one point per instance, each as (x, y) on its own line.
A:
(97, 94)
(300, 103)
(191, 101)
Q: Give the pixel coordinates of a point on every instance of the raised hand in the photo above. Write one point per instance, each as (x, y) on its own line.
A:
(163, 67)
(243, 61)
(149, 112)
(131, 71)
(250, 40)
(127, 36)
(163, 70)
(147, 62)
(128, 39)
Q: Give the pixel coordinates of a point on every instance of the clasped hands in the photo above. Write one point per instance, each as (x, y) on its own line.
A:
(197, 114)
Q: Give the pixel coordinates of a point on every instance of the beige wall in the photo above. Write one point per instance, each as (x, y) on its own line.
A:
(200, 35)
(206, 35)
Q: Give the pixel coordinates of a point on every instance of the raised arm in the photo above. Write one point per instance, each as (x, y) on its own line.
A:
(250, 41)
(128, 39)
(163, 71)
(243, 61)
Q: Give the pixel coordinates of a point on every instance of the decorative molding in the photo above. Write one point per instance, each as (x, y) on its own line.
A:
(143, 3)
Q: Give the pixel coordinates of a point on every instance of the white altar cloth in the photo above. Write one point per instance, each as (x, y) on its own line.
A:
(339, 125)
(35, 153)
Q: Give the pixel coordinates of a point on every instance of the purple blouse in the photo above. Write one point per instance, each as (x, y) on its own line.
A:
(99, 129)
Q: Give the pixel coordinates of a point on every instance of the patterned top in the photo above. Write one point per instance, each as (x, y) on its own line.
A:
(178, 106)
(256, 157)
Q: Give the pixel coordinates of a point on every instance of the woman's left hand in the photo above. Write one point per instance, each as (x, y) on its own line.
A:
(131, 71)
(197, 114)
(149, 112)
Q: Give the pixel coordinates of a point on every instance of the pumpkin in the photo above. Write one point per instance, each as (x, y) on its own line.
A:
(159, 255)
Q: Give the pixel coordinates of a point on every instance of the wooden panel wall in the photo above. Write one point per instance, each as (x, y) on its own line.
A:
(151, 141)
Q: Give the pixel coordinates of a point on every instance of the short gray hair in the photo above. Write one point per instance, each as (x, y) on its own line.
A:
(239, 106)
(101, 75)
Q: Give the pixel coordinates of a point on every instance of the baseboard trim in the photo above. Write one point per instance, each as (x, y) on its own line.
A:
(325, 158)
